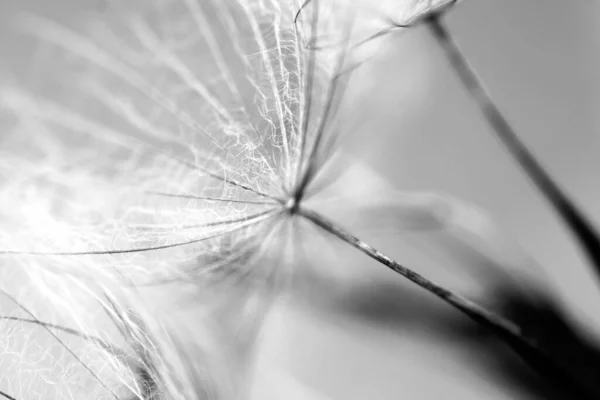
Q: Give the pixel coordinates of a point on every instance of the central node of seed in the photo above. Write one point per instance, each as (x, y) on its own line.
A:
(291, 205)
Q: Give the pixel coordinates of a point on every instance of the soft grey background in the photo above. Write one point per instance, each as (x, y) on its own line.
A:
(541, 61)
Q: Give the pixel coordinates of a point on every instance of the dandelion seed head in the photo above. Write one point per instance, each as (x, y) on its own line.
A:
(172, 127)
(152, 176)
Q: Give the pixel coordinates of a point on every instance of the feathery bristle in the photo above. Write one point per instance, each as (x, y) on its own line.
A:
(162, 153)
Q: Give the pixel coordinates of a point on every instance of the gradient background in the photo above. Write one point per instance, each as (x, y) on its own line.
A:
(541, 62)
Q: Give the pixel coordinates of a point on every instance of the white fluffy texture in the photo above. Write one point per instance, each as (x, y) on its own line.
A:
(179, 97)
(175, 126)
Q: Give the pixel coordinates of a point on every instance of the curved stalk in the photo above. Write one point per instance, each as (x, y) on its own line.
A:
(582, 229)
(506, 330)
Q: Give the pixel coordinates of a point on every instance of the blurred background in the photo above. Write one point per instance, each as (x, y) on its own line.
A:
(370, 338)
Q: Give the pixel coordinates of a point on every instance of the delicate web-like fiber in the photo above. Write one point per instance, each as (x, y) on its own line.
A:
(171, 149)
(166, 148)
(148, 178)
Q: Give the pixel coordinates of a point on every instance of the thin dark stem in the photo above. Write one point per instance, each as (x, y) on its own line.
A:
(335, 136)
(503, 328)
(9, 397)
(59, 115)
(462, 303)
(63, 344)
(248, 221)
(228, 181)
(222, 260)
(578, 224)
(93, 339)
(199, 15)
(207, 198)
(223, 222)
(311, 162)
(308, 88)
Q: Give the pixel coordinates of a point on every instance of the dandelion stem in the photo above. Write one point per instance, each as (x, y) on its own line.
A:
(584, 232)
(503, 328)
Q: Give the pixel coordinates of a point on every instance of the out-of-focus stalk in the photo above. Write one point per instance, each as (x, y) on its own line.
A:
(511, 334)
(581, 228)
